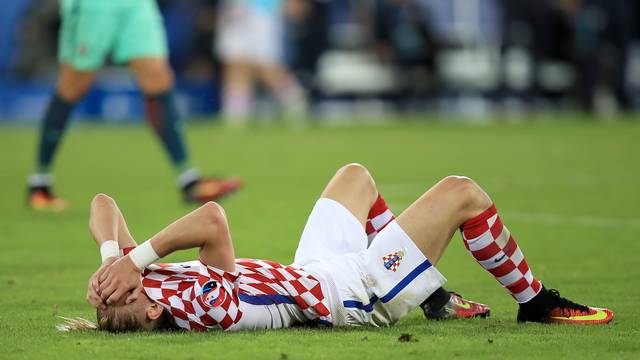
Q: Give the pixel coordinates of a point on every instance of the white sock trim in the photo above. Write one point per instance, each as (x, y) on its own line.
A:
(109, 249)
(143, 255)
(40, 179)
(188, 176)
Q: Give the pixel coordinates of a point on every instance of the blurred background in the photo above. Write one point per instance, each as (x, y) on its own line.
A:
(356, 58)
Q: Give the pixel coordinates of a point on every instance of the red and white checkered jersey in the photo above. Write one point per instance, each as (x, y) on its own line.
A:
(259, 294)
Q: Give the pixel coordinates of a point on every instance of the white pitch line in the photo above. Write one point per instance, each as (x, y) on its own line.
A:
(563, 220)
(594, 221)
(580, 220)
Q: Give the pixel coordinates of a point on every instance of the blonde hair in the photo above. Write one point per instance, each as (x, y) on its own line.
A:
(115, 321)
(75, 323)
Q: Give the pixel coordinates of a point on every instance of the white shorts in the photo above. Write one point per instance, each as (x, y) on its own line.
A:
(376, 285)
(246, 34)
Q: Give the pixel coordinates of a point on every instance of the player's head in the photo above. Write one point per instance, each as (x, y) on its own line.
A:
(139, 315)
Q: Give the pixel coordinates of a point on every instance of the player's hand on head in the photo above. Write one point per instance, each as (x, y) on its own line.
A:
(118, 279)
(93, 296)
(135, 293)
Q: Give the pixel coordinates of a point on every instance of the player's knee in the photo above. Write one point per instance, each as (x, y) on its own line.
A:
(160, 75)
(73, 91)
(213, 213)
(358, 173)
(466, 193)
(73, 84)
(355, 171)
(154, 76)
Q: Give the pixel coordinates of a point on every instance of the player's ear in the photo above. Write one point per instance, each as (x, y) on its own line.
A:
(154, 311)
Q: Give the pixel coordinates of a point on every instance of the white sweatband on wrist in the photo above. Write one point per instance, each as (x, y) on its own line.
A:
(109, 249)
(143, 255)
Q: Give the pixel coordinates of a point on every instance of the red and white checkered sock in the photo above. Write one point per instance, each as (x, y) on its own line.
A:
(492, 245)
(379, 217)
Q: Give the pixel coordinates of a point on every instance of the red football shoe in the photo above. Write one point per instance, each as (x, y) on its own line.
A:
(43, 199)
(457, 308)
(564, 311)
(210, 189)
(587, 316)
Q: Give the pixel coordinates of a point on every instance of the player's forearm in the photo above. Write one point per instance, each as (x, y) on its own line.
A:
(204, 228)
(103, 224)
(191, 231)
(125, 240)
(104, 218)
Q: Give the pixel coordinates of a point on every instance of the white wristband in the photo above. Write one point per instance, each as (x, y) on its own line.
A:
(109, 249)
(143, 255)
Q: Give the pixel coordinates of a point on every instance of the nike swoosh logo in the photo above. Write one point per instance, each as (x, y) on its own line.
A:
(500, 258)
(599, 315)
(461, 303)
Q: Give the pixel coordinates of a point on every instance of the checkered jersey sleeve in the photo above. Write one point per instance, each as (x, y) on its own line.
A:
(216, 294)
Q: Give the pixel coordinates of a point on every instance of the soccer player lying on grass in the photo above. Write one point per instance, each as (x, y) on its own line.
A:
(338, 277)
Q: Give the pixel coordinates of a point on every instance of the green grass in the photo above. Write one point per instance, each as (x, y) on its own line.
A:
(569, 191)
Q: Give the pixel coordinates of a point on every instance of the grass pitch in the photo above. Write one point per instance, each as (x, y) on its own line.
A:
(569, 191)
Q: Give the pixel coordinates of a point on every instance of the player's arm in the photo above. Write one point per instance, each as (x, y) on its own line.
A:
(107, 223)
(205, 228)
(103, 225)
(110, 233)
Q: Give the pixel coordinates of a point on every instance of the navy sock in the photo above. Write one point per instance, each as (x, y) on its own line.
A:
(163, 117)
(437, 299)
(53, 126)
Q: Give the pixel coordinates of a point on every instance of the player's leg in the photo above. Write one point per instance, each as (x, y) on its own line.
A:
(441, 304)
(84, 39)
(459, 203)
(286, 89)
(432, 220)
(72, 85)
(235, 46)
(141, 42)
(238, 93)
(336, 224)
(268, 54)
(354, 188)
(155, 80)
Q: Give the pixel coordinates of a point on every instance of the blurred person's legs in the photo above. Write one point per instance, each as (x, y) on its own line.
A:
(238, 84)
(235, 48)
(250, 46)
(134, 34)
(271, 69)
(142, 44)
(603, 27)
(85, 37)
(239, 89)
(620, 15)
(529, 26)
(286, 89)
(71, 87)
(155, 80)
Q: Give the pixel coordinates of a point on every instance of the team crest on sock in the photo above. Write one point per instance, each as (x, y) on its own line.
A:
(392, 261)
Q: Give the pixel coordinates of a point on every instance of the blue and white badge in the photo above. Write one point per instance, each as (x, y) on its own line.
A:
(212, 294)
